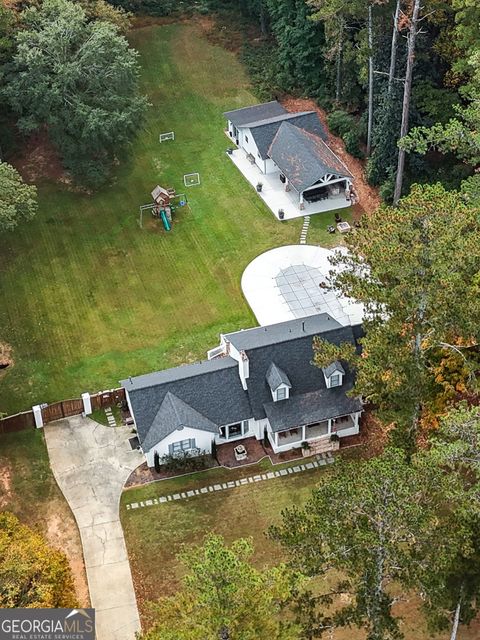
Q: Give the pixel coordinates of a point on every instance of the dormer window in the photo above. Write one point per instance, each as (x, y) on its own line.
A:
(336, 380)
(278, 382)
(281, 393)
(333, 374)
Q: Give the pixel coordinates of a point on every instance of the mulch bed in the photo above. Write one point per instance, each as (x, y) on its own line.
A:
(143, 474)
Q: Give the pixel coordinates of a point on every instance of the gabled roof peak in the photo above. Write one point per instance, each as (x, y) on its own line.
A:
(336, 365)
(276, 377)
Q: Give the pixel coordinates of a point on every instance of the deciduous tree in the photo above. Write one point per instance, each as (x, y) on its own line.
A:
(18, 201)
(32, 574)
(78, 79)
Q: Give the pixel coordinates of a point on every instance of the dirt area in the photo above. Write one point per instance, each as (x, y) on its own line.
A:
(38, 159)
(5, 486)
(368, 197)
(62, 533)
(6, 359)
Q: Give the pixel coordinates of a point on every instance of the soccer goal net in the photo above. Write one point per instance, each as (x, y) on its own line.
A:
(191, 179)
(163, 137)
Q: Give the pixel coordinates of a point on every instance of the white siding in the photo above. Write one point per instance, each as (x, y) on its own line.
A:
(247, 143)
(203, 441)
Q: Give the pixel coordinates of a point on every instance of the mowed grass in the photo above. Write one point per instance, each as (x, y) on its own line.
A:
(154, 535)
(87, 296)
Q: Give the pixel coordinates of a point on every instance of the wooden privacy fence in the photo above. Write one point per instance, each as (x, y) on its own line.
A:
(18, 422)
(59, 410)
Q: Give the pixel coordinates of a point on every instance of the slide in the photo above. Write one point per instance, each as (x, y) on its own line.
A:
(165, 221)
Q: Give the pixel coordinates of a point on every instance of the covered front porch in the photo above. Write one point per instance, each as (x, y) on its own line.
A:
(277, 198)
(294, 437)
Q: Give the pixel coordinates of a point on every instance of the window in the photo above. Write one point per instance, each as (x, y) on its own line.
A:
(181, 445)
(234, 430)
(281, 393)
(335, 380)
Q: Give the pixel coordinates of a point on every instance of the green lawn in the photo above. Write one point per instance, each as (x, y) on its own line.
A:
(88, 297)
(155, 534)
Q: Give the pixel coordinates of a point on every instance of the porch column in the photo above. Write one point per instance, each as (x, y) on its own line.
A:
(302, 203)
(275, 437)
(330, 423)
(304, 433)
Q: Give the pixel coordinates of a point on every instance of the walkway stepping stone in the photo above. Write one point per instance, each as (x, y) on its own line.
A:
(309, 465)
(162, 499)
(204, 490)
(190, 493)
(230, 485)
(270, 475)
(169, 498)
(257, 478)
(217, 487)
(177, 496)
(237, 482)
(290, 470)
(296, 469)
(148, 503)
(283, 472)
(315, 463)
(277, 474)
(250, 479)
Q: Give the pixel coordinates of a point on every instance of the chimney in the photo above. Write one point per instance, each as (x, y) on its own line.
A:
(244, 369)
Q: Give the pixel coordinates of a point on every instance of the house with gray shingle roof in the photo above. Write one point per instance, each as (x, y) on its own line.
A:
(292, 148)
(258, 383)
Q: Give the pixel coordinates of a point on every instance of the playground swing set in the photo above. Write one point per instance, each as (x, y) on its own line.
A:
(165, 203)
(166, 200)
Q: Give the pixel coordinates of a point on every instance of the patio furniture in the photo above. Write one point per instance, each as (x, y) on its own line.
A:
(240, 452)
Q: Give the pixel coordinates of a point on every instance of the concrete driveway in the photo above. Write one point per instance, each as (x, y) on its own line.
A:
(91, 463)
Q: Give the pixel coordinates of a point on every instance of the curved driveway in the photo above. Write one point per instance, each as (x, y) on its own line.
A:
(91, 463)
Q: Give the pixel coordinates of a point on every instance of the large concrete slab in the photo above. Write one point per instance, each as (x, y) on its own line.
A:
(285, 283)
(91, 463)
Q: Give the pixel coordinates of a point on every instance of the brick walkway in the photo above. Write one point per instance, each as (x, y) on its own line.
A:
(322, 460)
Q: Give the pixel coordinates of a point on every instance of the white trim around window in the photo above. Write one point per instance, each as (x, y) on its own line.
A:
(181, 445)
(235, 430)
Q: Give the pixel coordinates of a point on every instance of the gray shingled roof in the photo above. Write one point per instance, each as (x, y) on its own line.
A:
(303, 156)
(264, 132)
(334, 366)
(295, 357)
(211, 388)
(312, 407)
(175, 414)
(282, 331)
(276, 376)
(256, 112)
(209, 394)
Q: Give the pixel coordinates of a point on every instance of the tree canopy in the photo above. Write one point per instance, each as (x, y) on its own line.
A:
(77, 79)
(222, 593)
(18, 201)
(32, 574)
(416, 269)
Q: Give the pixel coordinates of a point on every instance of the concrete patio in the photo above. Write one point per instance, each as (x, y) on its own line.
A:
(274, 195)
(284, 283)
